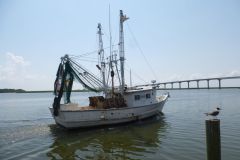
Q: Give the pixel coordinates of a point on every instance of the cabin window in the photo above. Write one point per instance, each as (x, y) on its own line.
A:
(148, 96)
(137, 97)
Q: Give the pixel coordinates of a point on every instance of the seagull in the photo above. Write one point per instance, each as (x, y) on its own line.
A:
(214, 113)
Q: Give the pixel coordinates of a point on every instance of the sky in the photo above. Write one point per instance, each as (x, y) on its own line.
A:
(164, 40)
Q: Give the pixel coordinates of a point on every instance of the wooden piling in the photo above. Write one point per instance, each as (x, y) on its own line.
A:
(213, 139)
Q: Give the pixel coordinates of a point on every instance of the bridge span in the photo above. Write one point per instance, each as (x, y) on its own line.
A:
(164, 85)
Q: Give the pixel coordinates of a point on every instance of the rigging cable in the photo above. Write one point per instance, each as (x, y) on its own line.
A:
(141, 51)
(90, 75)
(87, 79)
(136, 75)
(89, 53)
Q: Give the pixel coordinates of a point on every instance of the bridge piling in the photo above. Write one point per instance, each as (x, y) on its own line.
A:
(197, 83)
(219, 83)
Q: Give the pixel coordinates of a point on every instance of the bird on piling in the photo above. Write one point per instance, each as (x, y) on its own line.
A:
(214, 113)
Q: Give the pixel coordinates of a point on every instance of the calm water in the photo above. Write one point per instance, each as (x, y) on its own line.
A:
(27, 130)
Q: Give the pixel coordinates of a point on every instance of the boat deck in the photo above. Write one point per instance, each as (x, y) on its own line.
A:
(75, 107)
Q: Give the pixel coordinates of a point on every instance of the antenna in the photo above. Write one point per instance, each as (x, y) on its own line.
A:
(130, 78)
(110, 30)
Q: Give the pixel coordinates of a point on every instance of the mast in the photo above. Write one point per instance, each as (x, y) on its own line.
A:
(101, 57)
(121, 49)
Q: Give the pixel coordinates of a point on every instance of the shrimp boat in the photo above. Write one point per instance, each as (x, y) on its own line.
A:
(118, 104)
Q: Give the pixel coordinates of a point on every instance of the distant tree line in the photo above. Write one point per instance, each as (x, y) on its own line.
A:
(6, 90)
(12, 91)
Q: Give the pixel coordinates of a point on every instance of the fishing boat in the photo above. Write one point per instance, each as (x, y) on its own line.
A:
(117, 104)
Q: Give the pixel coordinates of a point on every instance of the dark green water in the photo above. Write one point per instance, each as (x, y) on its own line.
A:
(27, 130)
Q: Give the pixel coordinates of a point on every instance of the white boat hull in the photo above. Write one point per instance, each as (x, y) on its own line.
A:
(98, 117)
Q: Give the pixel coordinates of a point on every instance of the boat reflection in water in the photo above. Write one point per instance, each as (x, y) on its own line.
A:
(131, 141)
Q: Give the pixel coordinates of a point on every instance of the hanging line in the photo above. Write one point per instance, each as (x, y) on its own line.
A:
(141, 51)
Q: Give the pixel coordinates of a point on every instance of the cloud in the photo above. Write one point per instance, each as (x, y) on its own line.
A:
(16, 60)
(178, 77)
(175, 77)
(196, 76)
(234, 73)
(15, 73)
(226, 74)
(15, 66)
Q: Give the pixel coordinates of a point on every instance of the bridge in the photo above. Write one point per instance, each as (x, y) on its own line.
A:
(164, 85)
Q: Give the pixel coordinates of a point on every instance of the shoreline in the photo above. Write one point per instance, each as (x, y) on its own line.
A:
(24, 91)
